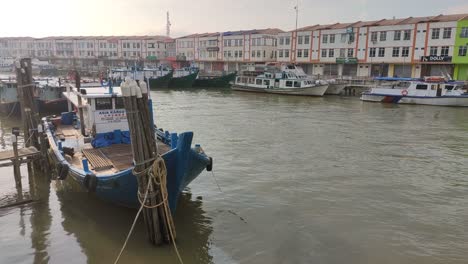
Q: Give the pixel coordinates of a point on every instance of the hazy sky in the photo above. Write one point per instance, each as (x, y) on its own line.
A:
(144, 17)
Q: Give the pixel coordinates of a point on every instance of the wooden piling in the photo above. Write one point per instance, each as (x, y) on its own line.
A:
(144, 149)
(80, 103)
(16, 163)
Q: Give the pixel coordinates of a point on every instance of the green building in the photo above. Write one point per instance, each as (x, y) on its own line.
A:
(460, 56)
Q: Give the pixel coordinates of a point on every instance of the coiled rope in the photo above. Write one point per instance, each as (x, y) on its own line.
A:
(158, 174)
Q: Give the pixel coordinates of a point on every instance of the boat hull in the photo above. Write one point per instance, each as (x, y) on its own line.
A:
(318, 90)
(396, 99)
(53, 106)
(335, 88)
(10, 108)
(217, 82)
(183, 166)
(161, 82)
(183, 82)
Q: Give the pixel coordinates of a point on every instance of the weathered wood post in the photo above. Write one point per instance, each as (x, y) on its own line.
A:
(80, 103)
(16, 162)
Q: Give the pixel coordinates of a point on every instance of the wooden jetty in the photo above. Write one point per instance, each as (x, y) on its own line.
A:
(34, 151)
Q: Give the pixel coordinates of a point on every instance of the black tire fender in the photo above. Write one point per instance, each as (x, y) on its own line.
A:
(90, 182)
(209, 167)
(63, 170)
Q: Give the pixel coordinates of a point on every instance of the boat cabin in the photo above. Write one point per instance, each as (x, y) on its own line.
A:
(274, 80)
(103, 108)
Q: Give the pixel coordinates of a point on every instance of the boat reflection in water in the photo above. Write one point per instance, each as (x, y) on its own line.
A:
(100, 229)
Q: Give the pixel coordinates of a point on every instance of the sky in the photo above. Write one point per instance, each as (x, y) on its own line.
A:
(40, 18)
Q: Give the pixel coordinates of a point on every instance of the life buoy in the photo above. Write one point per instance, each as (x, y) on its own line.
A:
(90, 182)
(404, 92)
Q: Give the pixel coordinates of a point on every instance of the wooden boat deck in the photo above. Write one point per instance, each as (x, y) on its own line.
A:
(102, 161)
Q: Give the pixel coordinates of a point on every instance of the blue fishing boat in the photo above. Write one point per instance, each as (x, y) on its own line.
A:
(95, 151)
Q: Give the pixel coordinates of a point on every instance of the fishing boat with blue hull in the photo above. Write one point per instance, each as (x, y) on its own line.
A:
(96, 152)
(425, 91)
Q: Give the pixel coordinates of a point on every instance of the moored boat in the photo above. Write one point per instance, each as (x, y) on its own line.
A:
(9, 103)
(183, 77)
(273, 81)
(427, 91)
(215, 81)
(96, 153)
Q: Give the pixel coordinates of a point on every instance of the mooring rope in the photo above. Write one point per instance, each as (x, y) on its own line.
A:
(156, 172)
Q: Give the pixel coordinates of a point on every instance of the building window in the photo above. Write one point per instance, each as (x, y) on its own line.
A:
(287, 41)
(332, 38)
(350, 53)
(374, 36)
(281, 42)
(325, 39)
(447, 33)
(372, 52)
(396, 52)
(464, 32)
(405, 52)
(407, 34)
(397, 35)
(299, 40)
(462, 51)
(444, 51)
(381, 52)
(306, 53)
(306, 39)
(253, 53)
(299, 53)
(383, 36)
(343, 38)
(342, 53)
(435, 33)
(331, 53)
(433, 51)
(280, 54)
(240, 54)
(324, 53)
(286, 53)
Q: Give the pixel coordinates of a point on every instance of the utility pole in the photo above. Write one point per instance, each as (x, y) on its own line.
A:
(168, 25)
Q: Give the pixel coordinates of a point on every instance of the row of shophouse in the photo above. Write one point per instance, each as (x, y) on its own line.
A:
(103, 51)
(407, 47)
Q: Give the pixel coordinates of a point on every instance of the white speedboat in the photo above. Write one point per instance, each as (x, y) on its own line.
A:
(279, 83)
(428, 91)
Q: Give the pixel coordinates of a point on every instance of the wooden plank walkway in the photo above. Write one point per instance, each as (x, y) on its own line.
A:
(22, 153)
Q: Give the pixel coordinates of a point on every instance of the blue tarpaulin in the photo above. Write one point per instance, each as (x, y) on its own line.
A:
(106, 139)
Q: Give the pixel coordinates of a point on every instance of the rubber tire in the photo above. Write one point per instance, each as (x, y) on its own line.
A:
(209, 167)
(90, 182)
(63, 172)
